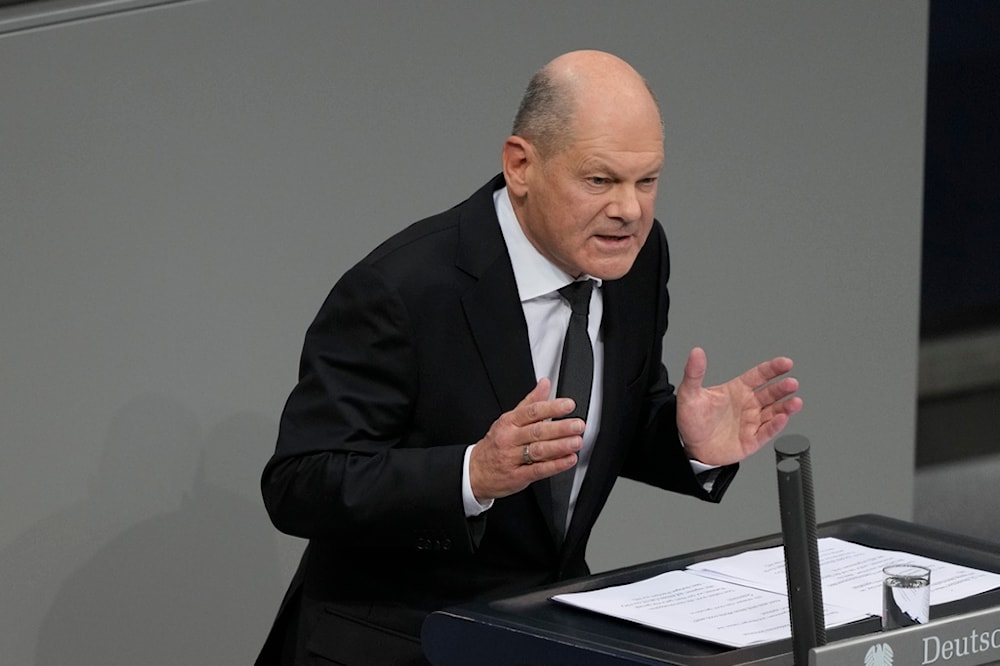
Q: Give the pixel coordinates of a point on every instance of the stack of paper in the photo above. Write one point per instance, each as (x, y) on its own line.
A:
(741, 600)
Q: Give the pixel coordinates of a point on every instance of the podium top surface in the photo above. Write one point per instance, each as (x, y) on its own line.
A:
(530, 628)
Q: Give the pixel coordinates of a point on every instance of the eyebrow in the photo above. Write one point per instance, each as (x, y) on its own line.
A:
(598, 164)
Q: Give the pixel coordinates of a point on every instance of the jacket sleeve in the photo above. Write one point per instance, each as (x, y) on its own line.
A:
(347, 464)
(656, 455)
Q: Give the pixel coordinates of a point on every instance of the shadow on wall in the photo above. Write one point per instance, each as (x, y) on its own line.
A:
(166, 561)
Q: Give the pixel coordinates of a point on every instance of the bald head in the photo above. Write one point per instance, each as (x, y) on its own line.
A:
(581, 86)
(583, 164)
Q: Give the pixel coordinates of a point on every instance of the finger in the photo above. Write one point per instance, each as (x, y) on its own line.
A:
(789, 407)
(783, 408)
(776, 391)
(545, 468)
(771, 429)
(536, 406)
(553, 447)
(521, 415)
(544, 431)
(764, 372)
(695, 369)
(541, 392)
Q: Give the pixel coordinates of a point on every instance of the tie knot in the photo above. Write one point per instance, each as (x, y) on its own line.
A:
(578, 295)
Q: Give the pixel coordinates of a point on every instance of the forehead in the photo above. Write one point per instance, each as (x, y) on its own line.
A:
(630, 162)
(608, 153)
(605, 132)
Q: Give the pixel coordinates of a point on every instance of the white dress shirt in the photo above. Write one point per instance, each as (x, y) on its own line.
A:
(547, 315)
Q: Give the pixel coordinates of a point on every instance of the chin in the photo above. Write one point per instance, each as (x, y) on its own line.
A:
(611, 272)
(610, 263)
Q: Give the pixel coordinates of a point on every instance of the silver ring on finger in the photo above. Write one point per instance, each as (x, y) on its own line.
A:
(526, 455)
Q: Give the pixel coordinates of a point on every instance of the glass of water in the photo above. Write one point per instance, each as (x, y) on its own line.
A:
(906, 596)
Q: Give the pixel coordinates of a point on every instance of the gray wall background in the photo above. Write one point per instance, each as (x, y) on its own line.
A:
(180, 186)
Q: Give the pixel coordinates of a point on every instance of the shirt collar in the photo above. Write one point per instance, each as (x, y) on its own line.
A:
(534, 274)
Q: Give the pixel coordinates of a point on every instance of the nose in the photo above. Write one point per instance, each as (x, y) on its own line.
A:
(625, 206)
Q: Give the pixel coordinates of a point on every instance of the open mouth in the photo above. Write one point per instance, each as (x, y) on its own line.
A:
(616, 240)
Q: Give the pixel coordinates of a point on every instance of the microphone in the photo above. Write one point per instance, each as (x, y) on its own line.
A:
(798, 529)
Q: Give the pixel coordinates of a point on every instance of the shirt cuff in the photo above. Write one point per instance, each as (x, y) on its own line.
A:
(699, 467)
(706, 474)
(472, 506)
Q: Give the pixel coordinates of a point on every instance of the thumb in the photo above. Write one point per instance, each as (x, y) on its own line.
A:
(694, 370)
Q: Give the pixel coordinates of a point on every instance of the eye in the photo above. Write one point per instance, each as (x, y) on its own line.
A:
(598, 180)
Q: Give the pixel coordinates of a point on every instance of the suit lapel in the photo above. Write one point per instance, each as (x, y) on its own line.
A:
(492, 305)
(495, 317)
(501, 335)
(494, 313)
(497, 323)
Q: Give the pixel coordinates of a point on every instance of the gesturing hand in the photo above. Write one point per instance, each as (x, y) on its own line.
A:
(724, 424)
(499, 464)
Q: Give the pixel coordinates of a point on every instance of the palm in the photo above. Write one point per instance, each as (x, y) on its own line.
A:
(724, 424)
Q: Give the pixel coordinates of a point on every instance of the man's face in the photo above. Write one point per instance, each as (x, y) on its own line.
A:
(589, 207)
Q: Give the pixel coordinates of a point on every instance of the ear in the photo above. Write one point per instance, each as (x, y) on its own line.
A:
(517, 157)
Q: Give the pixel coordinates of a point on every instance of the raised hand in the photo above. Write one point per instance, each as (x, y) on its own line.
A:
(525, 445)
(724, 424)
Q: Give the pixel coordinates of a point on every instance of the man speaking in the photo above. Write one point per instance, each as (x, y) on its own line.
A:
(470, 391)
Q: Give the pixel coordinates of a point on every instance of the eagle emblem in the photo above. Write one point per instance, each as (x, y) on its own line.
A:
(879, 655)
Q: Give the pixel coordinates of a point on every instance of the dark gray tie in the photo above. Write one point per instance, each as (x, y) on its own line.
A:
(576, 375)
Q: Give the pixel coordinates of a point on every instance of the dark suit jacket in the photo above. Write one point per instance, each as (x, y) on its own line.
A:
(414, 354)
